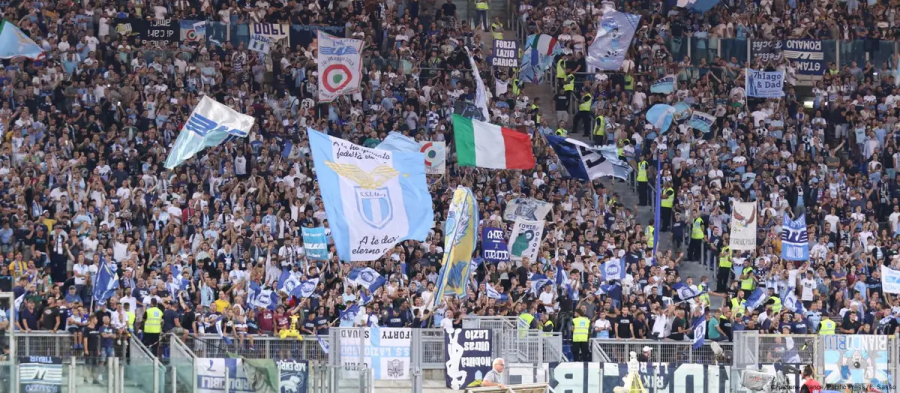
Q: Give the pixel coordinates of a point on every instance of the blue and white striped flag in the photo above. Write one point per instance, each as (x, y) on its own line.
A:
(699, 331)
(791, 302)
(492, 293)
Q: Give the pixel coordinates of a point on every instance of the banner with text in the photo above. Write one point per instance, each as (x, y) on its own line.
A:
(493, 245)
(40, 374)
(808, 54)
(468, 357)
(766, 51)
(857, 360)
(241, 376)
(525, 241)
(315, 243)
(294, 376)
(264, 35)
(387, 350)
(506, 53)
(743, 226)
(764, 84)
(160, 32)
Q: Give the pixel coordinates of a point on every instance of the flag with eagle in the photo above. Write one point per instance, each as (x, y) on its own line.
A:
(743, 226)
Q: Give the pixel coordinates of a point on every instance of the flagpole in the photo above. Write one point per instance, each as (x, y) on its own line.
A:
(657, 200)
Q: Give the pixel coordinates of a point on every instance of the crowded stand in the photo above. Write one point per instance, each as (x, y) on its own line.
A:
(102, 236)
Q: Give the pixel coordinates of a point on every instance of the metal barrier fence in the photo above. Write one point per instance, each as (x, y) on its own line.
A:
(617, 351)
(515, 345)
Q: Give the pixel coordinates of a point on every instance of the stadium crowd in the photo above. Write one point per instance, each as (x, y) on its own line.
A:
(85, 139)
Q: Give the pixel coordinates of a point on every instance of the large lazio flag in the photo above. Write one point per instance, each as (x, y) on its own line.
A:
(489, 146)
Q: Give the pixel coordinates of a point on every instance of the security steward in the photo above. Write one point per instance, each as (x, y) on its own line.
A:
(666, 202)
(698, 233)
(748, 279)
(152, 326)
(580, 331)
(827, 327)
(561, 131)
(724, 271)
(584, 111)
(643, 185)
(599, 129)
(525, 321)
(497, 29)
(648, 233)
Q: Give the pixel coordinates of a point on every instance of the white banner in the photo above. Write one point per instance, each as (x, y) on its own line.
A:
(339, 66)
(435, 157)
(387, 350)
(743, 226)
(525, 241)
(527, 209)
(264, 35)
(890, 280)
(764, 84)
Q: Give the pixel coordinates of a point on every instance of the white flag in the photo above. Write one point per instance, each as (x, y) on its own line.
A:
(339, 66)
(480, 93)
(743, 226)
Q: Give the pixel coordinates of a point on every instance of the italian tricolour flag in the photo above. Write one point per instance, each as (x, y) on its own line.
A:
(488, 146)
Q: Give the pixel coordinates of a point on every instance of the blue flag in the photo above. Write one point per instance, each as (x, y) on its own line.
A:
(660, 116)
(17, 304)
(612, 291)
(685, 292)
(288, 281)
(305, 289)
(699, 331)
(349, 315)
(666, 85)
(367, 278)
(587, 163)
(794, 239)
(538, 281)
(492, 293)
(323, 344)
(209, 125)
(373, 198)
(14, 43)
(106, 283)
(614, 34)
(398, 142)
(315, 244)
(790, 302)
(702, 6)
(757, 299)
(614, 269)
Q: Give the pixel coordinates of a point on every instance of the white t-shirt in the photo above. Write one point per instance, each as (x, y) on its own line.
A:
(808, 286)
(447, 325)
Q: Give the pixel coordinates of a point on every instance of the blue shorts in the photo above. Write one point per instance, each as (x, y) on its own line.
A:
(107, 353)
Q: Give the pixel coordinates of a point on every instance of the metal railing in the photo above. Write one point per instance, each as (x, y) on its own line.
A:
(521, 346)
(618, 351)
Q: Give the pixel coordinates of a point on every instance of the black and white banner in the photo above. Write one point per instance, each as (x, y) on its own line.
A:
(468, 356)
(808, 54)
(264, 35)
(766, 51)
(40, 374)
(506, 53)
(160, 32)
(294, 376)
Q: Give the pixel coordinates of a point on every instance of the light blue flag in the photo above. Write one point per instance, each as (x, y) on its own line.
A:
(790, 302)
(757, 299)
(373, 198)
(398, 142)
(666, 85)
(288, 281)
(106, 283)
(323, 344)
(794, 239)
(614, 34)
(17, 304)
(537, 57)
(682, 111)
(315, 243)
(702, 121)
(209, 125)
(613, 269)
(699, 331)
(660, 116)
(14, 43)
(266, 298)
(702, 6)
(305, 289)
(367, 278)
(492, 293)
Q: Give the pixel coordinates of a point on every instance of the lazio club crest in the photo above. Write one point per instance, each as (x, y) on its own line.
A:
(373, 201)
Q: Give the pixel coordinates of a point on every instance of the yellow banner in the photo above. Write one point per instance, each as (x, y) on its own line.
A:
(459, 245)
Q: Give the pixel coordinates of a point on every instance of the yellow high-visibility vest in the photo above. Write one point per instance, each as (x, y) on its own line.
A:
(828, 327)
(515, 87)
(580, 332)
(629, 82)
(481, 5)
(697, 229)
(153, 323)
(705, 294)
(737, 306)
(524, 323)
(776, 308)
(600, 128)
(586, 105)
(570, 83)
(131, 317)
(562, 132)
(747, 283)
(642, 171)
(496, 30)
(649, 234)
(561, 69)
(668, 201)
(725, 257)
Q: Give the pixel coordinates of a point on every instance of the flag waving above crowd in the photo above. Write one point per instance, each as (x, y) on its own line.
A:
(587, 163)
(460, 240)
(339, 66)
(210, 124)
(373, 198)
